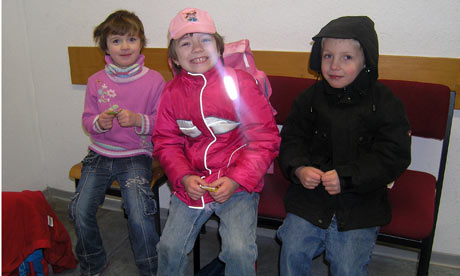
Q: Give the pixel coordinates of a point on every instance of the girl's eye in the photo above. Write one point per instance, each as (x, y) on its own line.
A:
(133, 39)
(327, 56)
(184, 44)
(115, 41)
(348, 57)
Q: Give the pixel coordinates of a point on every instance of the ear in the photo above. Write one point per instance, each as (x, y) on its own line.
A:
(173, 64)
(175, 61)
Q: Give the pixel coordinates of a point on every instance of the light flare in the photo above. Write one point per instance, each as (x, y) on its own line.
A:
(231, 88)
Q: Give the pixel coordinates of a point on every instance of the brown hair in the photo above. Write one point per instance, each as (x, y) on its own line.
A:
(120, 22)
(173, 55)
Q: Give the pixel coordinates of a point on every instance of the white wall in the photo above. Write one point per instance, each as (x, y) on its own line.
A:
(42, 134)
(23, 162)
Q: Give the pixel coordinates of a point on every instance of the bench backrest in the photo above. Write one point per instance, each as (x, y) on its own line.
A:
(427, 114)
(427, 106)
(284, 92)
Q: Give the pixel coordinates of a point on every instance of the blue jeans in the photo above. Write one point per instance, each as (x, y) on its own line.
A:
(347, 252)
(237, 228)
(134, 175)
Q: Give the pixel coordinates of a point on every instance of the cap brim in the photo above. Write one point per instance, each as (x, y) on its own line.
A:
(195, 28)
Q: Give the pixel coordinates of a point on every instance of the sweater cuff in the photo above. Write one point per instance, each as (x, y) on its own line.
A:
(145, 129)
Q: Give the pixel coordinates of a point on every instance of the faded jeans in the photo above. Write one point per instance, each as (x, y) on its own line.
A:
(237, 228)
(348, 252)
(134, 175)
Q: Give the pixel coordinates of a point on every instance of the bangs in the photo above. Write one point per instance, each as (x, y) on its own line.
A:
(123, 27)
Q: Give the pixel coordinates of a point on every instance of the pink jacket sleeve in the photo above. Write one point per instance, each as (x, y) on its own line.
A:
(169, 143)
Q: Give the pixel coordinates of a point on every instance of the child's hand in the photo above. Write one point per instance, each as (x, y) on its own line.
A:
(127, 118)
(105, 119)
(227, 187)
(192, 186)
(331, 182)
(310, 177)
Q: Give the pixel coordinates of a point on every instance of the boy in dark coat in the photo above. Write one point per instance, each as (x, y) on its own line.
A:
(346, 139)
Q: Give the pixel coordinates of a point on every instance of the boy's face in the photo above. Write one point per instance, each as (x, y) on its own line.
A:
(341, 61)
(196, 52)
(124, 49)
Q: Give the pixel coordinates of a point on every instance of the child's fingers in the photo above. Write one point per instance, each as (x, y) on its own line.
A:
(331, 182)
(192, 186)
(310, 185)
(106, 116)
(332, 189)
(330, 176)
(226, 188)
(316, 171)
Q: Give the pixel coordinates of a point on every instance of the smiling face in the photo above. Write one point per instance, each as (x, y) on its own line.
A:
(341, 61)
(196, 52)
(124, 49)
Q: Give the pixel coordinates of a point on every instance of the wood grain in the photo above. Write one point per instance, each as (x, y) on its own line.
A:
(85, 61)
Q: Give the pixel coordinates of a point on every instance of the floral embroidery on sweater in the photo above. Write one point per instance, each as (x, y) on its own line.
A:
(105, 94)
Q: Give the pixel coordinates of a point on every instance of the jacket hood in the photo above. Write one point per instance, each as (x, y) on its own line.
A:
(360, 28)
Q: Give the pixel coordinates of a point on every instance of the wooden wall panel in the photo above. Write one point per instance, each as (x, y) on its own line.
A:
(84, 61)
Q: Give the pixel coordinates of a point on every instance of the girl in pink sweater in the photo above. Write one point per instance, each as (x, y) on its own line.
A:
(120, 108)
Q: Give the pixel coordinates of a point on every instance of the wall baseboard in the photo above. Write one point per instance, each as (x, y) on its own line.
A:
(438, 258)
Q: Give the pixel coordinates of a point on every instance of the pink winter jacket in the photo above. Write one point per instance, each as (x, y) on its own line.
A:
(201, 129)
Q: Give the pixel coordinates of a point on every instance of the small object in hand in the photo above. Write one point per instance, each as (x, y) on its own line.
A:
(210, 189)
(114, 110)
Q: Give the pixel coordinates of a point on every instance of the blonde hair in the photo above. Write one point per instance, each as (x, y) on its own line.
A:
(354, 41)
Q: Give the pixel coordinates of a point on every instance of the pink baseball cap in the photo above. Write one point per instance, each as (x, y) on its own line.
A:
(191, 20)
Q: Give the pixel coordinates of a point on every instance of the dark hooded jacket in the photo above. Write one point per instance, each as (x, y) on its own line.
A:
(361, 131)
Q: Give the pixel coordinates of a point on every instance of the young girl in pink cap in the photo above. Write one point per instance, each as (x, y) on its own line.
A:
(215, 136)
